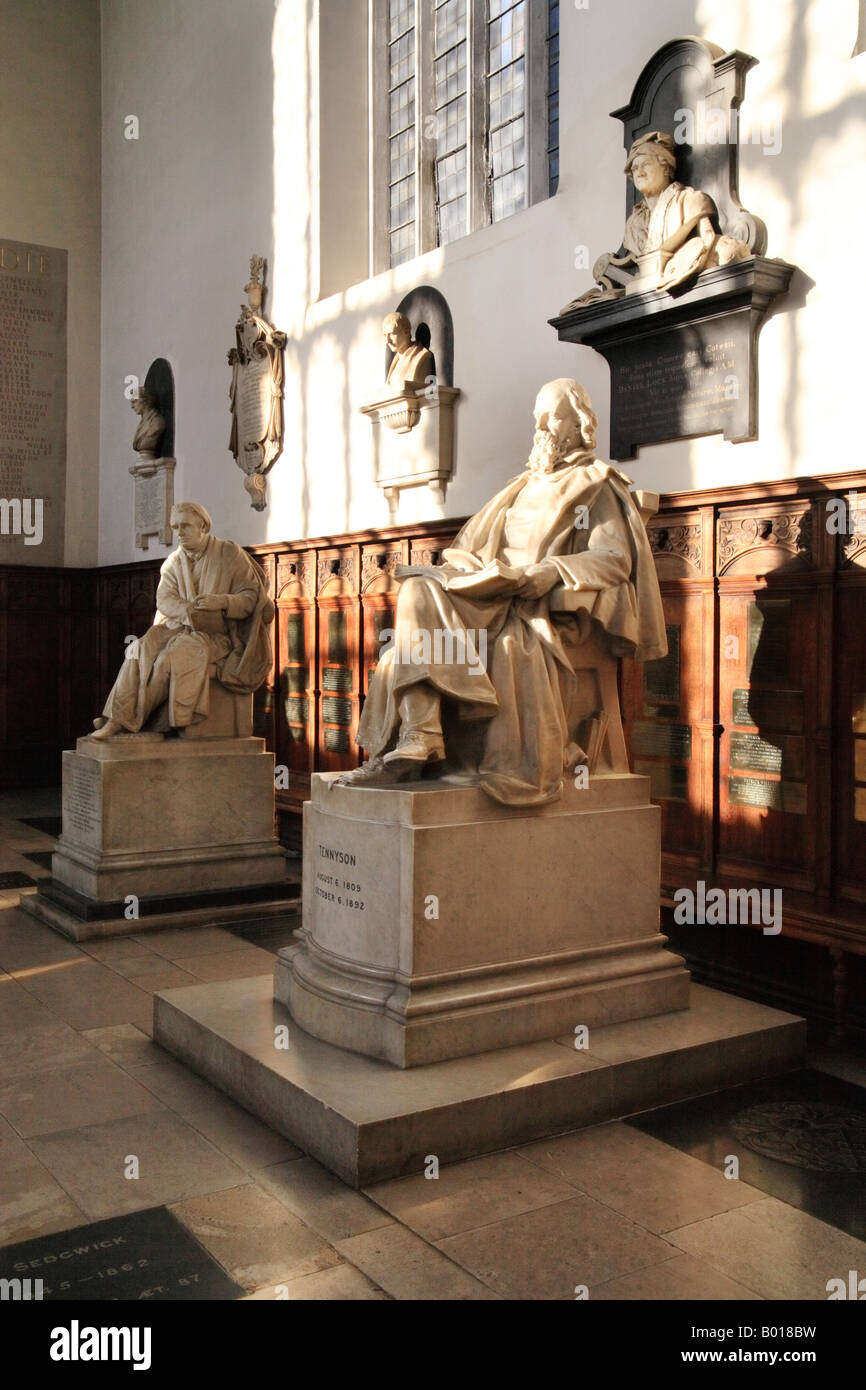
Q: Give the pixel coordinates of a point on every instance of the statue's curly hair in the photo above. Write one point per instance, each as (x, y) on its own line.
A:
(580, 405)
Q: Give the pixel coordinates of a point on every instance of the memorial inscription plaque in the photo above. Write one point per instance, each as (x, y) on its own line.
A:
(755, 754)
(773, 796)
(662, 740)
(32, 402)
(146, 1255)
(82, 812)
(781, 710)
(769, 628)
(662, 677)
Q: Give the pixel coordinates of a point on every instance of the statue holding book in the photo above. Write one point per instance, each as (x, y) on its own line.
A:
(498, 696)
(212, 622)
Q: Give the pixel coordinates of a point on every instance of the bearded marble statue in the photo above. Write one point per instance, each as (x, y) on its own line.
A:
(670, 234)
(213, 613)
(493, 662)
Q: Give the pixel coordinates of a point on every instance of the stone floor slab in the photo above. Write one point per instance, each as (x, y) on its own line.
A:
(407, 1268)
(574, 1244)
(252, 1235)
(649, 1182)
(174, 1162)
(464, 1196)
(774, 1249)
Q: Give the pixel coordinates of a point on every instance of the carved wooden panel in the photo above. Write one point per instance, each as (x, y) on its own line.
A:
(755, 541)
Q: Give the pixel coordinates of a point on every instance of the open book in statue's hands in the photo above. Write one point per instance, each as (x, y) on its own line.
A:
(493, 580)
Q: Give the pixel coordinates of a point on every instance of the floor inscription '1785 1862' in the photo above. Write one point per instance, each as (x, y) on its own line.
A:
(32, 403)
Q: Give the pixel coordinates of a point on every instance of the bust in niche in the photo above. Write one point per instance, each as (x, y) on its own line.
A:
(151, 425)
(412, 363)
(669, 236)
(410, 381)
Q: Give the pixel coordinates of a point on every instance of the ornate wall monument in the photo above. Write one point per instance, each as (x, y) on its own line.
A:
(412, 413)
(678, 308)
(32, 403)
(171, 790)
(153, 442)
(256, 392)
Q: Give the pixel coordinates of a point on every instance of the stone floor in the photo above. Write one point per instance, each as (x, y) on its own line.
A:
(612, 1209)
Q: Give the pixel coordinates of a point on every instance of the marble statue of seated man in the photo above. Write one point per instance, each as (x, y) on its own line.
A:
(213, 612)
(670, 234)
(493, 659)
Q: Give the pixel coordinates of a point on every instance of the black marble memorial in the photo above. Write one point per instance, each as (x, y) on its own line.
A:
(146, 1256)
(684, 361)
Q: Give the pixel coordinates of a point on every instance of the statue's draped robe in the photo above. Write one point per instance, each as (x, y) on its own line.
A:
(524, 693)
(171, 662)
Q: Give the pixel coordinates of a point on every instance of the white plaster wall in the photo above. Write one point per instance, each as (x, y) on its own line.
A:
(49, 194)
(228, 163)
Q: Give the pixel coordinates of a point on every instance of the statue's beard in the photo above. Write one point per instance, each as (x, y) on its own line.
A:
(547, 453)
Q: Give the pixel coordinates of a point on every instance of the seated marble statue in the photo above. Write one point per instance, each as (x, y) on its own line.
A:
(213, 612)
(671, 229)
(568, 522)
(411, 364)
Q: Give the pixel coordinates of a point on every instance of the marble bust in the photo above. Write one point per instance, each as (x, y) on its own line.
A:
(213, 612)
(670, 234)
(477, 658)
(412, 364)
(151, 425)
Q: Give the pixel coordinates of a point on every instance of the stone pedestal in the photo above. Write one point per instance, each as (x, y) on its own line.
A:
(169, 827)
(437, 923)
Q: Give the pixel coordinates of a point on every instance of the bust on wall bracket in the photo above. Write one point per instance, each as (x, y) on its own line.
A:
(153, 442)
(412, 412)
(256, 391)
(676, 311)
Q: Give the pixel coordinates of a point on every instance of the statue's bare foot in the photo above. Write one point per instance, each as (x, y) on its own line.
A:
(106, 728)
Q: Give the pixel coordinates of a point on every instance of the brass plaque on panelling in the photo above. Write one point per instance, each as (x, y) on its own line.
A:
(769, 709)
(337, 637)
(785, 756)
(661, 678)
(668, 781)
(297, 710)
(337, 678)
(296, 679)
(774, 796)
(336, 741)
(662, 740)
(335, 711)
(295, 635)
(769, 626)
